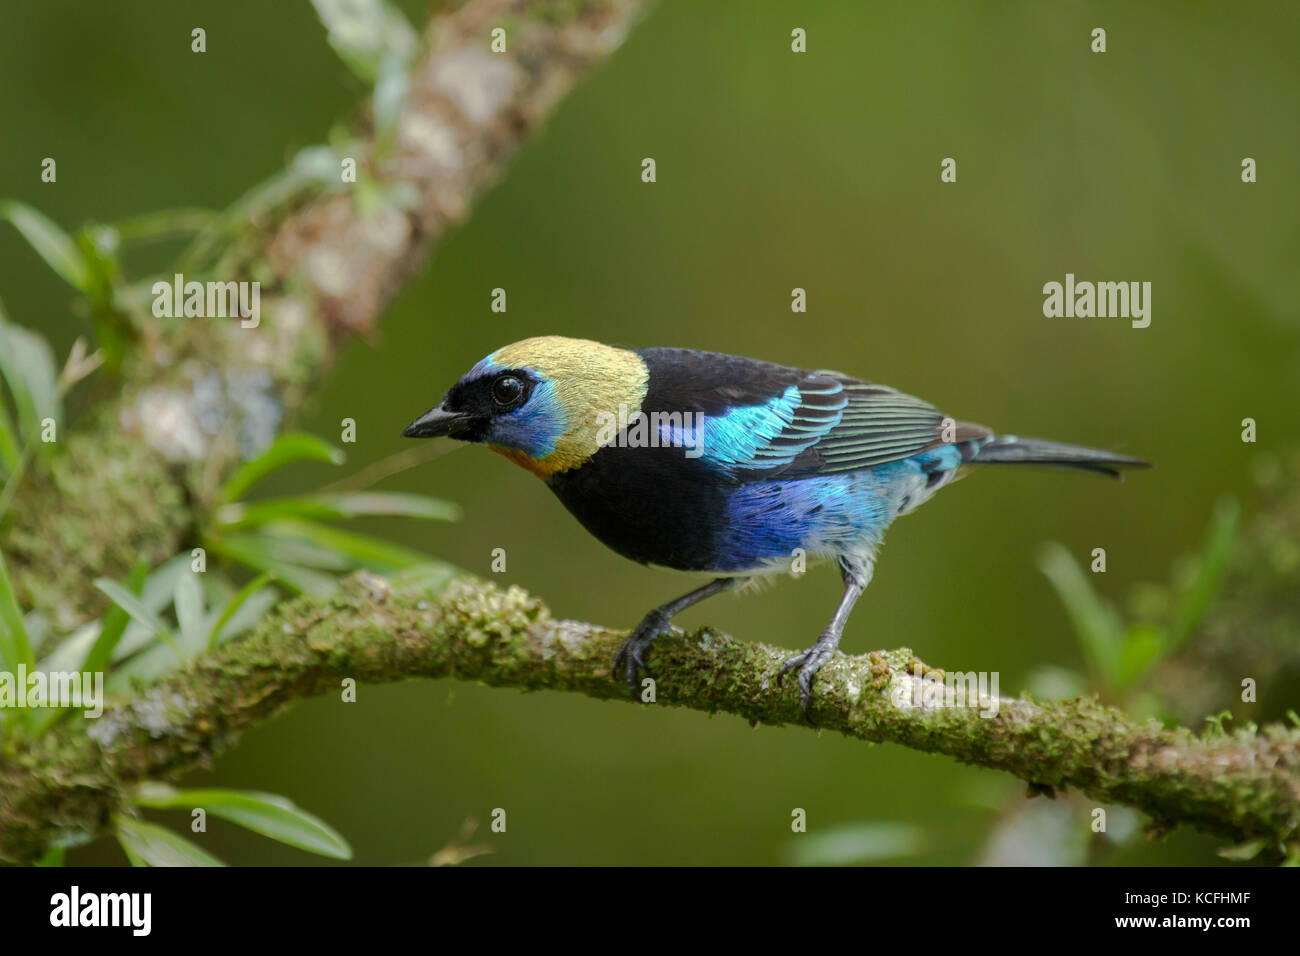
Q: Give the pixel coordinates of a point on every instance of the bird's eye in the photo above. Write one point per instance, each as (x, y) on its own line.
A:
(506, 390)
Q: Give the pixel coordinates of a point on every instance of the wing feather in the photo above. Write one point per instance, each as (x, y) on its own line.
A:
(838, 424)
(763, 422)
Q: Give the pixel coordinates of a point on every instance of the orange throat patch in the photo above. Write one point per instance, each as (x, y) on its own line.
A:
(541, 467)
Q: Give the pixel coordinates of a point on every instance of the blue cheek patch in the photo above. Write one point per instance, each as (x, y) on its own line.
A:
(536, 427)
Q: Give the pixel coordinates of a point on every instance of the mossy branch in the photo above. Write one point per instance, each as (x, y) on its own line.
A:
(67, 784)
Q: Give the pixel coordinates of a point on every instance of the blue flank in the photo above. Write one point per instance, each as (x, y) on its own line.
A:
(842, 513)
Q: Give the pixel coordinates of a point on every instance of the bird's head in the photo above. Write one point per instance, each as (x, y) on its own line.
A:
(544, 402)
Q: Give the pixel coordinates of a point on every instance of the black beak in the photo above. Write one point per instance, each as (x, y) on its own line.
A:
(435, 423)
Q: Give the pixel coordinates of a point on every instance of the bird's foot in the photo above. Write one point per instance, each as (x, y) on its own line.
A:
(809, 662)
(630, 657)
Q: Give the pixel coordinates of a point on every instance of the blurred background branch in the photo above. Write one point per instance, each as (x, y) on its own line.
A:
(187, 401)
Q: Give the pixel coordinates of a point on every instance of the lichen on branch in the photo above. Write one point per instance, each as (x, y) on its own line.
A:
(68, 783)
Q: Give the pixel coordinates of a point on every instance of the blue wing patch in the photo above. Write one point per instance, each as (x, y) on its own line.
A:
(825, 424)
(763, 436)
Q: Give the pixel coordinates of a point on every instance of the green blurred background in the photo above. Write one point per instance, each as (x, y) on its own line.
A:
(775, 170)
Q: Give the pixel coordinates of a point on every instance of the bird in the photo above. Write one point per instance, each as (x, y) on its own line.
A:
(734, 467)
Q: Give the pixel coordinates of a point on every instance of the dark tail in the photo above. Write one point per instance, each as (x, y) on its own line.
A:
(1010, 450)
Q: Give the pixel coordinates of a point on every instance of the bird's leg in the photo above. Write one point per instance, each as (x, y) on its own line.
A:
(655, 623)
(856, 573)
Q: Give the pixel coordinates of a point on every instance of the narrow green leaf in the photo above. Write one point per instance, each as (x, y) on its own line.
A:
(99, 245)
(164, 224)
(153, 663)
(1144, 646)
(15, 648)
(115, 622)
(156, 594)
(275, 546)
(357, 503)
(189, 613)
(38, 633)
(856, 843)
(266, 813)
(9, 443)
(234, 604)
(157, 660)
(1243, 852)
(159, 588)
(287, 448)
(252, 550)
(338, 506)
(28, 367)
(69, 653)
(249, 614)
(50, 242)
(1197, 598)
(1096, 625)
(147, 844)
(139, 613)
(72, 654)
(361, 550)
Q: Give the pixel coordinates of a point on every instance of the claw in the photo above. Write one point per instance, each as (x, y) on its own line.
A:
(630, 657)
(790, 664)
(809, 663)
(630, 661)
